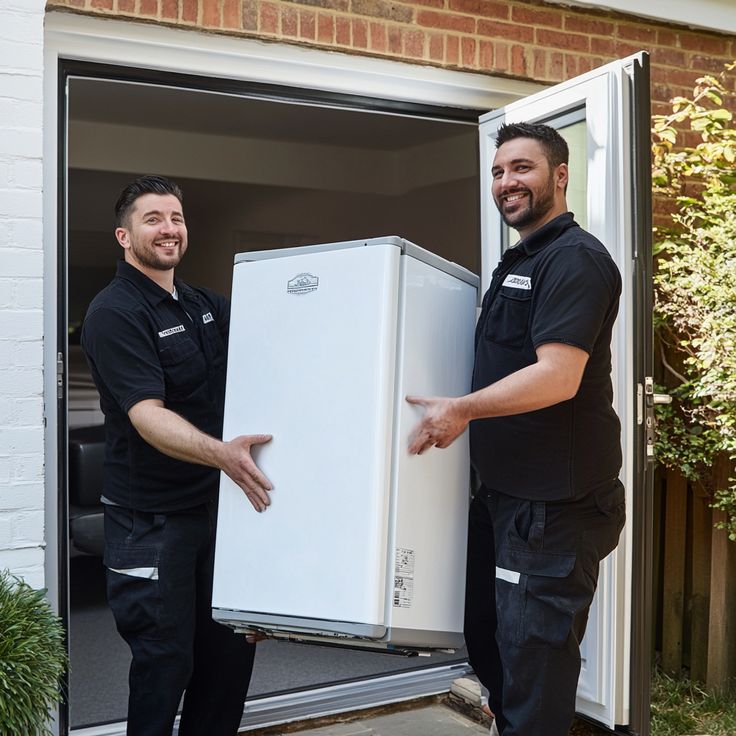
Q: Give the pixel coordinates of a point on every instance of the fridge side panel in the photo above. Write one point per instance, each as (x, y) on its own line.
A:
(437, 319)
(311, 361)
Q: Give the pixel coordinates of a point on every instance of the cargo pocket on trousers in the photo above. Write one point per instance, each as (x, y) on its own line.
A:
(133, 588)
(534, 610)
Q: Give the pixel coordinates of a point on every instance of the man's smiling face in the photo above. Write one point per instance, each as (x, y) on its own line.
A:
(156, 236)
(526, 190)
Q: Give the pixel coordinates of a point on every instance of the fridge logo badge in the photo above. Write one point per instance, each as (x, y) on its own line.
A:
(302, 283)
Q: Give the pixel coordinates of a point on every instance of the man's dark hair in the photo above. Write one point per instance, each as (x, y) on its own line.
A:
(554, 145)
(143, 185)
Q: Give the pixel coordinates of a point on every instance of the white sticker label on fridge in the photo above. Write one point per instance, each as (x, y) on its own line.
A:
(404, 578)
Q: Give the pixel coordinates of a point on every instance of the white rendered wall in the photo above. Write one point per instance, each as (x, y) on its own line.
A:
(21, 290)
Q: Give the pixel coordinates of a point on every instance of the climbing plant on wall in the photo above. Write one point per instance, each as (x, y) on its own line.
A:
(695, 285)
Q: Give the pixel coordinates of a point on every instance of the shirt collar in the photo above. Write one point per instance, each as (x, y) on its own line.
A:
(153, 293)
(546, 234)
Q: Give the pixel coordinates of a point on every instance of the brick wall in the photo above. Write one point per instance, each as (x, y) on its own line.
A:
(526, 39)
(21, 290)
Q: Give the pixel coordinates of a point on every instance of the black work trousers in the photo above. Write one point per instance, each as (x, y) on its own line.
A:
(532, 572)
(159, 587)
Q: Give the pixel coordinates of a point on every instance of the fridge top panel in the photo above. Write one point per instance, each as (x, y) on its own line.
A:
(406, 246)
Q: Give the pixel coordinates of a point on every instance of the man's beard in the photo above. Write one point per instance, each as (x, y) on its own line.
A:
(148, 257)
(538, 206)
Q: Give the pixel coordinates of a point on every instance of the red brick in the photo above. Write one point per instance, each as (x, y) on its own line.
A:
(394, 40)
(452, 50)
(289, 21)
(211, 14)
(102, 4)
(447, 21)
(249, 17)
(342, 31)
(605, 46)
(704, 44)
(307, 24)
(414, 43)
(341, 5)
(468, 49)
(669, 57)
(557, 66)
(437, 47)
(622, 48)
(360, 33)
(190, 11)
(539, 63)
(632, 32)
(169, 9)
(382, 9)
(483, 8)
(429, 3)
(232, 14)
(706, 64)
(571, 66)
(585, 64)
(490, 58)
(268, 18)
(536, 16)
(126, 6)
(519, 61)
(667, 38)
(566, 41)
(378, 37)
(592, 26)
(325, 28)
(148, 8)
(683, 78)
(512, 32)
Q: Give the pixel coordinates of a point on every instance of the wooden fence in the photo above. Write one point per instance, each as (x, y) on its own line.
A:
(695, 583)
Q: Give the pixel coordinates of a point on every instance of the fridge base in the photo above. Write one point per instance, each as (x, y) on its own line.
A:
(341, 633)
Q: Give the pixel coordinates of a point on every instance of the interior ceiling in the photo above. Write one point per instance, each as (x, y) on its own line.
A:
(125, 103)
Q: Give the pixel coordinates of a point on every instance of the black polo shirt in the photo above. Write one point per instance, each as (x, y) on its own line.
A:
(141, 343)
(558, 285)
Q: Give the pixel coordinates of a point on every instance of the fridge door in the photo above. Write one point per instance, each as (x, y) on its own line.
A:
(312, 362)
(604, 117)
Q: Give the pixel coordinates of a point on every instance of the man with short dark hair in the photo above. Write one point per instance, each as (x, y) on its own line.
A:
(157, 349)
(544, 439)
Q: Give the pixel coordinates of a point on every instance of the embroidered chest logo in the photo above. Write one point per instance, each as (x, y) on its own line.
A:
(171, 331)
(518, 282)
(206, 318)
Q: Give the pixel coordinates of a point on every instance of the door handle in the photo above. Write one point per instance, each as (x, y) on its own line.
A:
(645, 412)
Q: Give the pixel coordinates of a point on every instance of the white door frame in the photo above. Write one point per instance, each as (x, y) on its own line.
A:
(121, 43)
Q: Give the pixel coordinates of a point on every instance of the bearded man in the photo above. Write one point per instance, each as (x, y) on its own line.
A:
(544, 441)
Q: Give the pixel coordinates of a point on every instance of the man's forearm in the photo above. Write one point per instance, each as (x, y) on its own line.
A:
(528, 389)
(175, 436)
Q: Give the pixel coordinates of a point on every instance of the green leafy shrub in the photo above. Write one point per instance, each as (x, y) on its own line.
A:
(32, 658)
(695, 287)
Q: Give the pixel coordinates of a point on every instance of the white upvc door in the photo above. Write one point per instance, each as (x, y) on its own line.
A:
(596, 114)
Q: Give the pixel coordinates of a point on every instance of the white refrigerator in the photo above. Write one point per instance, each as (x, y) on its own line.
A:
(363, 545)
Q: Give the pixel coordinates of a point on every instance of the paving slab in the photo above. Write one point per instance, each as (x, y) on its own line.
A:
(430, 720)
